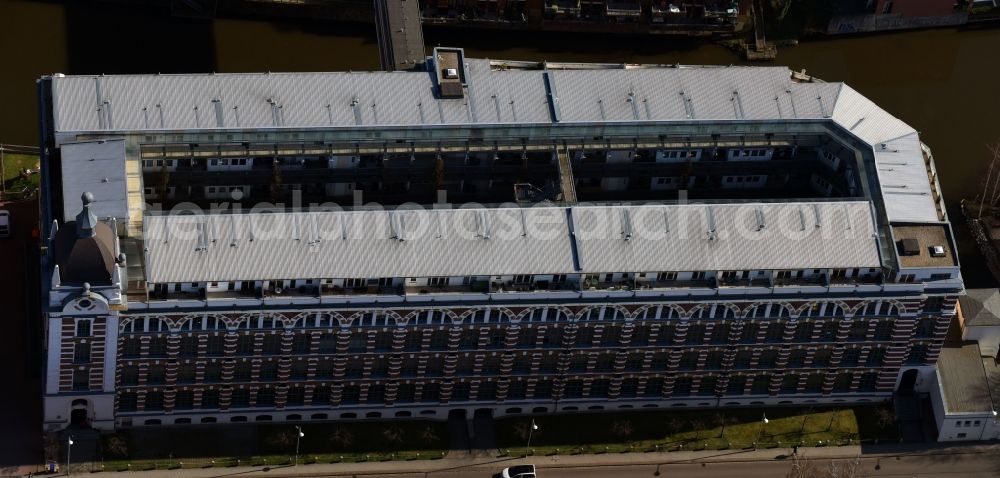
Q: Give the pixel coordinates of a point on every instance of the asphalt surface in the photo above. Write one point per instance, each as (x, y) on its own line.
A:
(969, 466)
(20, 392)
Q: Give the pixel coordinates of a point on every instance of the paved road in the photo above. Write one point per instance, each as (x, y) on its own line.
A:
(20, 394)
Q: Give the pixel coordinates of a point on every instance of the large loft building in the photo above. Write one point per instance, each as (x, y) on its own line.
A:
(640, 236)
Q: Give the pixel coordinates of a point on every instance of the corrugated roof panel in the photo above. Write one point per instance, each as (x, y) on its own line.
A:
(866, 119)
(725, 237)
(97, 167)
(905, 186)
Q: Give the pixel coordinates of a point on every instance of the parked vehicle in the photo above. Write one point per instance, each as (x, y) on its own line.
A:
(519, 471)
(4, 223)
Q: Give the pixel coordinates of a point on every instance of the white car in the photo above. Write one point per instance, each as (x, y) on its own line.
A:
(674, 8)
(519, 471)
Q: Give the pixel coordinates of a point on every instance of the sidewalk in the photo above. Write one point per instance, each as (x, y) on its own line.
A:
(493, 465)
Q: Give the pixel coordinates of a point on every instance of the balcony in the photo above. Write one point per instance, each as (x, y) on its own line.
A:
(327, 290)
(481, 287)
(300, 291)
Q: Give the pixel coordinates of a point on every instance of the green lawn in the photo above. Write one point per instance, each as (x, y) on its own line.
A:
(694, 429)
(13, 164)
(273, 444)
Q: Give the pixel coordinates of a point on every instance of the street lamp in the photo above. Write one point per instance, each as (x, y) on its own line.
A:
(69, 449)
(760, 430)
(534, 427)
(297, 439)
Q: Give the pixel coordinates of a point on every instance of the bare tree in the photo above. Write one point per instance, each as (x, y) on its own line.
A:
(342, 437)
(697, 426)
(117, 447)
(804, 468)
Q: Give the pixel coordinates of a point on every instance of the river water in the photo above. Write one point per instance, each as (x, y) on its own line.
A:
(945, 82)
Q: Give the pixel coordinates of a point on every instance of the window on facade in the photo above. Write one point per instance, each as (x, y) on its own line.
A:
(883, 330)
(850, 357)
(775, 332)
(689, 361)
(269, 371)
(629, 388)
(131, 347)
(244, 345)
(81, 379)
(553, 337)
(842, 383)
(83, 328)
(240, 398)
(127, 401)
(599, 388)
(295, 397)
(213, 372)
(708, 386)
(265, 397)
(925, 327)
(327, 343)
(351, 395)
(768, 359)
(761, 385)
(654, 387)
(81, 352)
(299, 370)
(749, 331)
(605, 363)
(216, 345)
(383, 341)
(822, 358)
(814, 383)
(324, 369)
(242, 371)
(789, 383)
(737, 385)
(867, 382)
(796, 358)
(665, 334)
(130, 375)
(156, 374)
(918, 354)
(573, 389)
(460, 391)
(431, 392)
(578, 363)
(828, 333)
(695, 334)
(154, 401)
(414, 340)
(858, 330)
(189, 346)
(611, 336)
(158, 347)
(439, 339)
(876, 357)
(376, 394)
(272, 344)
(408, 366)
(682, 387)
(803, 331)
(300, 343)
(321, 395)
(186, 373)
(743, 359)
(720, 333)
(713, 360)
(184, 400)
(584, 336)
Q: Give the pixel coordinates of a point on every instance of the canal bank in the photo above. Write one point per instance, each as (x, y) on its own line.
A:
(943, 82)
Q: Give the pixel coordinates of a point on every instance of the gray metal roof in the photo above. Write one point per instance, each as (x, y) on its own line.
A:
(980, 307)
(507, 241)
(97, 167)
(965, 379)
(726, 237)
(496, 96)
